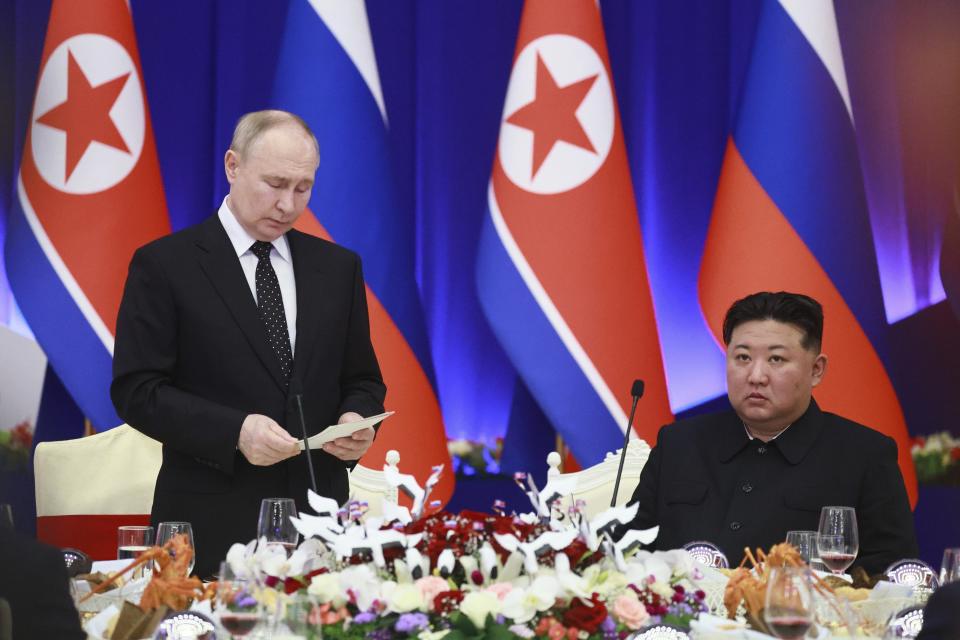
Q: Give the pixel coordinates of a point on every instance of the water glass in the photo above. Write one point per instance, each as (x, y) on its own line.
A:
(275, 525)
(133, 541)
(167, 530)
(950, 566)
(237, 605)
(806, 543)
(788, 607)
(838, 541)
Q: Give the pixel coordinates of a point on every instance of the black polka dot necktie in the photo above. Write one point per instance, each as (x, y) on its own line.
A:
(270, 303)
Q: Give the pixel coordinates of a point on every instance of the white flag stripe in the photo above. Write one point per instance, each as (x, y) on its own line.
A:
(347, 20)
(96, 322)
(553, 315)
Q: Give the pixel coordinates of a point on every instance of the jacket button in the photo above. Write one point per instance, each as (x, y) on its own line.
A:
(747, 487)
(735, 526)
(761, 449)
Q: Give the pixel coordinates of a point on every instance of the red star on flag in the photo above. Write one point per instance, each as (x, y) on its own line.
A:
(552, 115)
(85, 115)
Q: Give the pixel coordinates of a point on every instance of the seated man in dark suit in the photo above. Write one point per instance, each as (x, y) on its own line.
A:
(33, 579)
(745, 477)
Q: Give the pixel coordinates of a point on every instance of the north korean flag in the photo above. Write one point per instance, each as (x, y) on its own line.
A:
(89, 193)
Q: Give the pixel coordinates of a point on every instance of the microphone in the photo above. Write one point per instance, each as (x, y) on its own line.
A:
(637, 392)
(295, 388)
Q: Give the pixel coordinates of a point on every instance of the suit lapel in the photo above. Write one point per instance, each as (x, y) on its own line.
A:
(220, 264)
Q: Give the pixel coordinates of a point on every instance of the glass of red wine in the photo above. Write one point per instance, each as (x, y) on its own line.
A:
(239, 609)
(788, 609)
(275, 524)
(838, 541)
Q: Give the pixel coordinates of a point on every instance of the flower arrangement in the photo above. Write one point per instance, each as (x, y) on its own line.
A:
(544, 574)
(471, 457)
(937, 458)
(15, 446)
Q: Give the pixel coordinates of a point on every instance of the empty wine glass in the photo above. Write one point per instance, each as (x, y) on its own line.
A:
(806, 543)
(950, 566)
(167, 530)
(838, 541)
(275, 524)
(788, 608)
(239, 609)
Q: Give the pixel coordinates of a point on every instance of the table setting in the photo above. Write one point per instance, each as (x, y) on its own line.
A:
(420, 572)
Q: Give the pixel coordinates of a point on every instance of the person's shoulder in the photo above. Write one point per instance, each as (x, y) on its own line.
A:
(839, 427)
(699, 427)
(175, 242)
(320, 246)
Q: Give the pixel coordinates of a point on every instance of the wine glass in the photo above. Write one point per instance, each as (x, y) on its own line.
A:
(838, 541)
(275, 525)
(950, 566)
(806, 543)
(239, 609)
(788, 607)
(167, 530)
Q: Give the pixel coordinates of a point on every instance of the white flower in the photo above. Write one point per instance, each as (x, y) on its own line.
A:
(662, 589)
(326, 588)
(597, 579)
(405, 598)
(240, 559)
(432, 635)
(679, 560)
(521, 604)
(478, 604)
(362, 582)
(273, 561)
(645, 564)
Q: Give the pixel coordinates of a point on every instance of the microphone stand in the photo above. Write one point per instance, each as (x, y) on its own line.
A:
(636, 391)
(306, 444)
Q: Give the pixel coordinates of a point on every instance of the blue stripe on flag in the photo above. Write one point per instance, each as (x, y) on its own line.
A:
(73, 348)
(796, 136)
(539, 355)
(355, 196)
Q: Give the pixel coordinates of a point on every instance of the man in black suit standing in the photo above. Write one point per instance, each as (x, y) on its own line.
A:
(745, 477)
(223, 324)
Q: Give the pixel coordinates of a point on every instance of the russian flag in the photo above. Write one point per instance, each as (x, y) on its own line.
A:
(561, 271)
(89, 193)
(790, 212)
(327, 74)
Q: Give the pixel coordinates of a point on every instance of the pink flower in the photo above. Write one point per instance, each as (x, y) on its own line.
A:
(431, 586)
(557, 632)
(630, 611)
(500, 589)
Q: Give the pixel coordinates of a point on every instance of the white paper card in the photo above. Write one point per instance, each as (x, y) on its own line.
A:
(340, 430)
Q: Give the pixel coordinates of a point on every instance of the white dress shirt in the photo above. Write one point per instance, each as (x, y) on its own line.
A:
(280, 258)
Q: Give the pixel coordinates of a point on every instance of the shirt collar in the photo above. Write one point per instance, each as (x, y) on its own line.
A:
(241, 239)
(793, 443)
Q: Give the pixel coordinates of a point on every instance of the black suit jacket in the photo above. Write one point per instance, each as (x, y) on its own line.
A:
(192, 360)
(33, 579)
(706, 480)
(941, 616)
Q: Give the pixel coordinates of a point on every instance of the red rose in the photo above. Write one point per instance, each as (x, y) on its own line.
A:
(585, 615)
(955, 454)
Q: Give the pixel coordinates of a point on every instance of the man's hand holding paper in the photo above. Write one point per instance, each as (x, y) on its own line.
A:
(350, 438)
